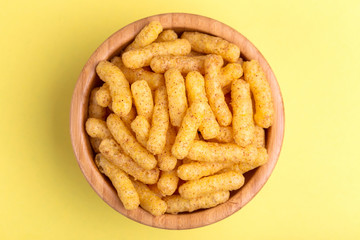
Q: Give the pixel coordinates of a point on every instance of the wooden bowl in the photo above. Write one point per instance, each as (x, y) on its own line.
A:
(255, 179)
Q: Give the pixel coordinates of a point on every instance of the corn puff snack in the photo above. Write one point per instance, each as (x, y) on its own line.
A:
(143, 99)
(160, 123)
(259, 138)
(205, 43)
(129, 118)
(188, 130)
(229, 73)
(103, 96)
(220, 182)
(154, 80)
(184, 64)
(97, 128)
(138, 58)
(221, 152)
(166, 161)
(112, 151)
(141, 128)
(118, 85)
(146, 36)
(225, 135)
(261, 159)
(196, 170)
(95, 110)
(175, 87)
(214, 92)
(168, 182)
(195, 87)
(243, 123)
(260, 88)
(167, 35)
(149, 200)
(176, 203)
(129, 144)
(123, 185)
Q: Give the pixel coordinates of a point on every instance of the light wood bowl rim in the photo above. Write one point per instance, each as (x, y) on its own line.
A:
(84, 154)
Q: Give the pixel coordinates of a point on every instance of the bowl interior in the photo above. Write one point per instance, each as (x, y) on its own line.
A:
(254, 180)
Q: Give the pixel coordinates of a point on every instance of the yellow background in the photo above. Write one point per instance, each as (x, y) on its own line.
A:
(313, 48)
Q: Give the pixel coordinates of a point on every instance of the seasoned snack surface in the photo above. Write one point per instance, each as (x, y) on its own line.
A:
(118, 85)
(205, 43)
(255, 76)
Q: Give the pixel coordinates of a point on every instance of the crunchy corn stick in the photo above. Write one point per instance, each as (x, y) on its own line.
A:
(243, 123)
(176, 203)
(205, 43)
(154, 80)
(149, 200)
(129, 118)
(129, 144)
(141, 128)
(214, 92)
(118, 85)
(229, 73)
(143, 99)
(103, 96)
(259, 138)
(166, 161)
(175, 86)
(123, 185)
(260, 88)
(261, 159)
(197, 170)
(195, 87)
(188, 130)
(146, 36)
(167, 35)
(160, 123)
(97, 128)
(220, 182)
(112, 151)
(142, 57)
(184, 64)
(95, 110)
(168, 182)
(225, 135)
(221, 152)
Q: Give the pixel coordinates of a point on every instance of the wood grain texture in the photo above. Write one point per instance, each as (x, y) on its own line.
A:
(79, 109)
